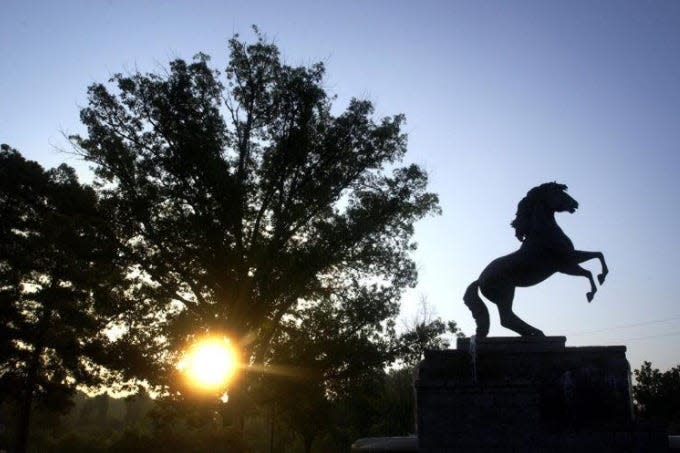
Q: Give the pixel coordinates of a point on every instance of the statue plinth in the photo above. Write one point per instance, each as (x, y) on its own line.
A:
(529, 394)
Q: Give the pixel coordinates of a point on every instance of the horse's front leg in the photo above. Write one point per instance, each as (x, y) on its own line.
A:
(582, 256)
(578, 271)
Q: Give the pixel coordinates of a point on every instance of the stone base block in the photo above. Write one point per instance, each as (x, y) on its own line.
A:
(528, 395)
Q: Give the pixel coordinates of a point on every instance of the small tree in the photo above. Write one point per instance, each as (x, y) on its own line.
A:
(657, 395)
(325, 355)
(425, 332)
(57, 268)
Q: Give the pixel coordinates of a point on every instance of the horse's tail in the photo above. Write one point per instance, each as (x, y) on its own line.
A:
(478, 309)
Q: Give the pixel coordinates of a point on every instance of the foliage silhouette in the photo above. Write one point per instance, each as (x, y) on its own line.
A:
(241, 206)
(57, 275)
(424, 332)
(321, 359)
(657, 395)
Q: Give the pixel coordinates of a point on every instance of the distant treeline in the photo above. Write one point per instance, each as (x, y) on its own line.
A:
(139, 423)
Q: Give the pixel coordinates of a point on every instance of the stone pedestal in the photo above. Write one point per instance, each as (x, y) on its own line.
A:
(528, 395)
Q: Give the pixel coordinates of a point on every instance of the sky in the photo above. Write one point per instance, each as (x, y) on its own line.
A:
(499, 97)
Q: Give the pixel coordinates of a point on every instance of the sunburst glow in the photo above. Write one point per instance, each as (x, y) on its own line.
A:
(210, 363)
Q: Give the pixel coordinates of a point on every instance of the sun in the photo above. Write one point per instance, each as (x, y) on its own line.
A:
(210, 363)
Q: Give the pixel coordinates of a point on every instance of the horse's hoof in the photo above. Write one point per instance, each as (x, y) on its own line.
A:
(600, 278)
(589, 296)
(533, 333)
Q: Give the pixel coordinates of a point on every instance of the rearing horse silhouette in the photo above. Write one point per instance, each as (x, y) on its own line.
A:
(545, 250)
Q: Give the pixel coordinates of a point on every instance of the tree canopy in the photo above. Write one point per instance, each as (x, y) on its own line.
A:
(242, 204)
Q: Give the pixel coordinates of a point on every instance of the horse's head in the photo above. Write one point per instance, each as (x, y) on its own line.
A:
(550, 195)
(556, 197)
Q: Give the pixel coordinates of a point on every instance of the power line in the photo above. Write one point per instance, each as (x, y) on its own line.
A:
(669, 334)
(625, 326)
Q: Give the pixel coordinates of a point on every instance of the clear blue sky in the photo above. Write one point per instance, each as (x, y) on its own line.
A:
(499, 97)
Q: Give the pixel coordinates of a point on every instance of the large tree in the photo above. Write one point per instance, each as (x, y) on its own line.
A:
(57, 273)
(240, 199)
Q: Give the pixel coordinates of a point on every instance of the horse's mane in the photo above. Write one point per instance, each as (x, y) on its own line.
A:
(525, 208)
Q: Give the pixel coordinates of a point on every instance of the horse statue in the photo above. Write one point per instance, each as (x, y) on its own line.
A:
(545, 250)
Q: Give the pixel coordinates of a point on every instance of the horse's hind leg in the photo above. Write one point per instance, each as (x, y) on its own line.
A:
(509, 320)
(478, 309)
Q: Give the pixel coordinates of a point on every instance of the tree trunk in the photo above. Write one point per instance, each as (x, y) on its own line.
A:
(308, 443)
(25, 406)
(26, 399)
(271, 428)
(26, 402)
